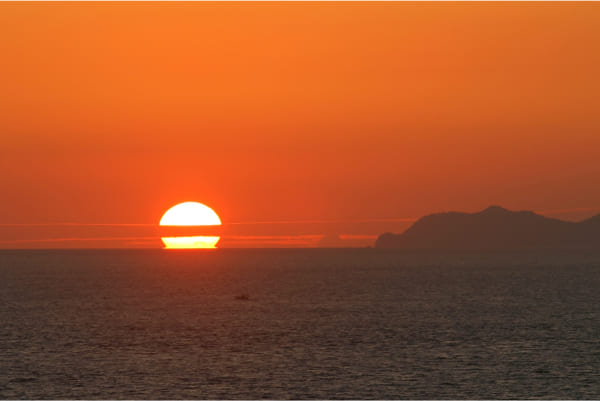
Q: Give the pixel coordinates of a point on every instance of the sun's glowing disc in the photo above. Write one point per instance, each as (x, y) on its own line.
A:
(190, 214)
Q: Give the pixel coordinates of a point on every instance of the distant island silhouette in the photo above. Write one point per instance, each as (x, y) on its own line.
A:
(495, 228)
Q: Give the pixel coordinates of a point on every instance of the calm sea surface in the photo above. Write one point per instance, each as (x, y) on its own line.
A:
(360, 323)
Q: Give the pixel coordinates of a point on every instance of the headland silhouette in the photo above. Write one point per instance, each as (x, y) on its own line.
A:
(495, 229)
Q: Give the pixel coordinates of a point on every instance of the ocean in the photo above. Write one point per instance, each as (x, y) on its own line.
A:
(301, 324)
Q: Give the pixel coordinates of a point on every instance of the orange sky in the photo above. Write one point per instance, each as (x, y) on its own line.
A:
(339, 116)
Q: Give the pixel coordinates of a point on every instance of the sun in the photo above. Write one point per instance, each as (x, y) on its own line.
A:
(190, 214)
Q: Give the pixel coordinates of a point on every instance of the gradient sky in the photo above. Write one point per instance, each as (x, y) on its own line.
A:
(308, 118)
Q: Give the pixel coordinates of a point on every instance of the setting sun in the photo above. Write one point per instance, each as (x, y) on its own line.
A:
(190, 214)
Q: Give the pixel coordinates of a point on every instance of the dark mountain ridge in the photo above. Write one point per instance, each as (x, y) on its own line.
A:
(495, 228)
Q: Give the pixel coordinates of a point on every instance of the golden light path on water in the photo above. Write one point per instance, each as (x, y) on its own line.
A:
(190, 214)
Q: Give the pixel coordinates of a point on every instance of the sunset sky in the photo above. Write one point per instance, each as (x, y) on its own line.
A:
(291, 120)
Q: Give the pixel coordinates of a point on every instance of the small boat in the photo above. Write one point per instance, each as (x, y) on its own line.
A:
(242, 297)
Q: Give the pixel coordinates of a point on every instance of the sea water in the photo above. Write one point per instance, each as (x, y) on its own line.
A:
(309, 323)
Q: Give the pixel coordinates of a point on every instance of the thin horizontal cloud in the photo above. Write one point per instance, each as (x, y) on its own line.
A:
(306, 240)
(356, 237)
(271, 237)
(77, 224)
(342, 221)
(262, 244)
(241, 241)
(249, 238)
(377, 220)
(16, 241)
